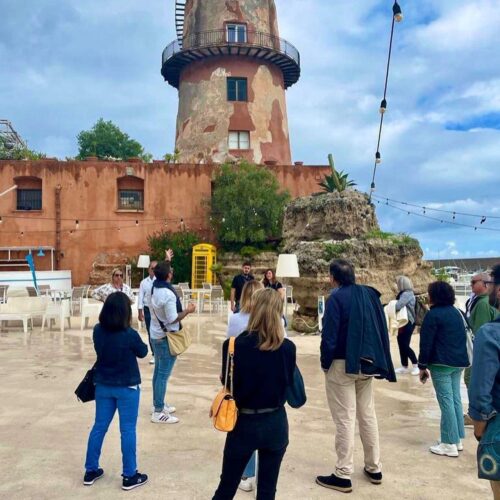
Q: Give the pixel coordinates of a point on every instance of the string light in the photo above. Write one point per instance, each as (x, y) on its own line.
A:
(136, 222)
(425, 208)
(442, 221)
(77, 224)
(1, 220)
(397, 17)
(398, 14)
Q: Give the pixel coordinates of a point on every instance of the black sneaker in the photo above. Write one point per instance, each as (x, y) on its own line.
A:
(138, 479)
(335, 483)
(92, 476)
(374, 477)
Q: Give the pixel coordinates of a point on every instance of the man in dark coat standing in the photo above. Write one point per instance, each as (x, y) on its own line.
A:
(354, 350)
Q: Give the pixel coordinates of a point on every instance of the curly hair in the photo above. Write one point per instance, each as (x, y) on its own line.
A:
(441, 294)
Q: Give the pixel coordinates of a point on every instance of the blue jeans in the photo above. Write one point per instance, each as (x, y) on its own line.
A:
(164, 364)
(250, 468)
(107, 400)
(446, 381)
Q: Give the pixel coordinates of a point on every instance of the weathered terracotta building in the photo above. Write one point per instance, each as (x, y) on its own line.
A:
(83, 209)
(231, 69)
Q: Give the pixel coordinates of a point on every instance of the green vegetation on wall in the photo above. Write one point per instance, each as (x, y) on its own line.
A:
(247, 205)
(182, 244)
(335, 250)
(393, 238)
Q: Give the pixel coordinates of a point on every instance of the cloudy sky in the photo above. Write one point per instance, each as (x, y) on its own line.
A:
(64, 64)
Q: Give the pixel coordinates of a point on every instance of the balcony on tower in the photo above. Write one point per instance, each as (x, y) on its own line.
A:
(233, 40)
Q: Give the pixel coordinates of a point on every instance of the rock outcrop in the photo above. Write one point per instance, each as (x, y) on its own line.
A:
(344, 225)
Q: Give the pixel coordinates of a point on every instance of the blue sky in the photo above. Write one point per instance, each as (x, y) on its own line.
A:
(65, 64)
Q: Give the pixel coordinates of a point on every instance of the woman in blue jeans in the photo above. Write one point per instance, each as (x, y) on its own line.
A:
(443, 356)
(117, 380)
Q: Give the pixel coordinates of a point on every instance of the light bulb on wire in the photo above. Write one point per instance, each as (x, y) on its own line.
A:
(398, 13)
(378, 158)
(383, 106)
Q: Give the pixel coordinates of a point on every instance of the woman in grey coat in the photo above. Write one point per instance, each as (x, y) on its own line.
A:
(406, 298)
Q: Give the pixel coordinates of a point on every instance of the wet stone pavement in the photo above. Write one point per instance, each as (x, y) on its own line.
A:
(44, 430)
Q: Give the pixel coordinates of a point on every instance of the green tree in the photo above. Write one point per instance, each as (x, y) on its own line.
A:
(182, 244)
(11, 152)
(106, 140)
(337, 181)
(247, 205)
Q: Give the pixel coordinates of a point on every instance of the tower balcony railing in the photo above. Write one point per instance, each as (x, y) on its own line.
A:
(220, 42)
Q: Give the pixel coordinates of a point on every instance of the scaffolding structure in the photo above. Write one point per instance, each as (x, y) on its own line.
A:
(8, 135)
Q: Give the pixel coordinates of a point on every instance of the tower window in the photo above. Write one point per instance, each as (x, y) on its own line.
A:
(239, 139)
(236, 33)
(29, 193)
(237, 89)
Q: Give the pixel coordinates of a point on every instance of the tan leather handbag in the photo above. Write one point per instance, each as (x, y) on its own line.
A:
(224, 412)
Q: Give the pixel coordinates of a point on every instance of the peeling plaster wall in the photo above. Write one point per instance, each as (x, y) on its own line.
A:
(89, 191)
(207, 15)
(205, 115)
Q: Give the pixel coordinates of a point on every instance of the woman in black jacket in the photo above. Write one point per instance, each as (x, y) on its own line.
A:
(264, 363)
(117, 379)
(443, 352)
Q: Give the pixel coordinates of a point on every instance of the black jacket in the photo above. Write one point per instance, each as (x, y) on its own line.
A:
(355, 329)
(443, 339)
(117, 354)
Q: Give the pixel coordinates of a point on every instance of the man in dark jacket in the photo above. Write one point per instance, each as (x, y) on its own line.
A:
(354, 350)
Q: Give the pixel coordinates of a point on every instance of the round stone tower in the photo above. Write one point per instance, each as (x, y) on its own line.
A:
(231, 69)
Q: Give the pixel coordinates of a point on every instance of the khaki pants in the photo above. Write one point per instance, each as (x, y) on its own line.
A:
(351, 397)
(495, 486)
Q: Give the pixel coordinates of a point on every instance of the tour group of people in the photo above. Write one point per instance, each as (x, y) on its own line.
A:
(354, 350)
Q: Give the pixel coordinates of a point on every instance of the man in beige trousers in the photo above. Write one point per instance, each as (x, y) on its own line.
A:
(352, 354)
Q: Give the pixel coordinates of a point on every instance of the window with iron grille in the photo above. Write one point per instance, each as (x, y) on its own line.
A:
(237, 89)
(236, 33)
(130, 200)
(29, 199)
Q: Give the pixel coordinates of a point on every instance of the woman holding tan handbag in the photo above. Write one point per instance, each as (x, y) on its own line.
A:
(264, 364)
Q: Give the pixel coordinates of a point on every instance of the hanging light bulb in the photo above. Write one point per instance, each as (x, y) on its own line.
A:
(136, 222)
(483, 220)
(1, 220)
(77, 224)
(398, 13)
(383, 106)
(373, 186)
(378, 158)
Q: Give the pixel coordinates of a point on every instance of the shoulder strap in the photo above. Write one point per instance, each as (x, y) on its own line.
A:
(230, 363)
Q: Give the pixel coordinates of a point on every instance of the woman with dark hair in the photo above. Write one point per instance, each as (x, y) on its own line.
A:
(270, 281)
(443, 353)
(117, 379)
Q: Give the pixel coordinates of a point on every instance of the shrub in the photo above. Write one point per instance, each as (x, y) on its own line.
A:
(182, 244)
(335, 250)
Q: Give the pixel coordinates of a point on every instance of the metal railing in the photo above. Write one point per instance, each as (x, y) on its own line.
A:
(221, 37)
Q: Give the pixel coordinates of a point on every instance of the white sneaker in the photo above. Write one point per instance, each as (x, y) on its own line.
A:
(415, 370)
(460, 445)
(166, 409)
(163, 418)
(152, 361)
(402, 370)
(247, 484)
(449, 450)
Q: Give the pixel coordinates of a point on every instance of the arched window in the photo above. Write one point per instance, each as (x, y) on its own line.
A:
(130, 193)
(29, 193)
